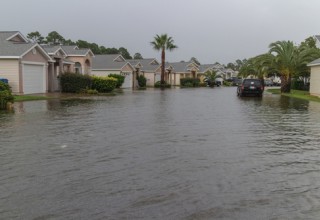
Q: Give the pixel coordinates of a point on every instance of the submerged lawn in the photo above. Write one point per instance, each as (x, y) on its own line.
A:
(299, 94)
(20, 98)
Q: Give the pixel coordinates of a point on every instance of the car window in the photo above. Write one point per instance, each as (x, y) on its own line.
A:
(251, 82)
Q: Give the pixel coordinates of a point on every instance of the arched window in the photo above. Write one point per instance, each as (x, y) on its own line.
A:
(77, 67)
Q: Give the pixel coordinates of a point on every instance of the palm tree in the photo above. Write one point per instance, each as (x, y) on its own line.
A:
(163, 43)
(290, 60)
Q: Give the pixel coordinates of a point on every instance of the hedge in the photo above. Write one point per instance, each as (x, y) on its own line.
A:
(120, 79)
(104, 84)
(5, 95)
(74, 82)
(189, 82)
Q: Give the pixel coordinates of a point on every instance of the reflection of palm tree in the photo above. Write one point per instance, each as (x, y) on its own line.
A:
(163, 43)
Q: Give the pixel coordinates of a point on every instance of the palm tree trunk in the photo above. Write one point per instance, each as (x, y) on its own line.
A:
(285, 83)
(162, 66)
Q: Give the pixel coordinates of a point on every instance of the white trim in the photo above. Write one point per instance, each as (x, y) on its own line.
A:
(18, 33)
(33, 63)
(124, 60)
(10, 57)
(314, 64)
(41, 49)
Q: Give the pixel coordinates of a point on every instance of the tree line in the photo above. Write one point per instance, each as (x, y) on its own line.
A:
(54, 38)
(284, 59)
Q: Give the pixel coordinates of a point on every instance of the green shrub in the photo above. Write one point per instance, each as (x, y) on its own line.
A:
(189, 82)
(92, 91)
(203, 84)
(4, 86)
(104, 84)
(142, 81)
(5, 97)
(299, 85)
(159, 85)
(74, 82)
(120, 79)
(226, 83)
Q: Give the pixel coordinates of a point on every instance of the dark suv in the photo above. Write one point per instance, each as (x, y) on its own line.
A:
(250, 87)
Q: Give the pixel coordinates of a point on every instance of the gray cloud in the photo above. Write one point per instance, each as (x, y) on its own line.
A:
(210, 30)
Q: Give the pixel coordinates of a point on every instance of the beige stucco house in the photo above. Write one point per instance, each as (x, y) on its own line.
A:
(24, 64)
(315, 77)
(104, 65)
(82, 59)
(149, 68)
(179, 70)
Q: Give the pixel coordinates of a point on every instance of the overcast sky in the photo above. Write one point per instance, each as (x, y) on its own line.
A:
(210, 30)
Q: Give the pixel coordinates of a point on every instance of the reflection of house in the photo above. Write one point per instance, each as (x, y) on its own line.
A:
(103, 65)
(148, 68)
(24, 64)
(315, 77)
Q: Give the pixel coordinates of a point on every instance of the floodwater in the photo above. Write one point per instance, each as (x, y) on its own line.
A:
(173, 154)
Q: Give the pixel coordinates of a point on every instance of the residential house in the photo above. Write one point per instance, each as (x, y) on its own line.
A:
(104, 65)
(149, 68)
(315, 77)
(24, 64)
(60, 65)
(82, 59)
(179, 70)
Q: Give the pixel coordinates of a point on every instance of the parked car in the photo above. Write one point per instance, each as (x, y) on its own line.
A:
(250, 87)
(268, 82)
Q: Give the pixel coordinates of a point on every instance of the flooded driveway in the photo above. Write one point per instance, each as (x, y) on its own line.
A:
(173, 154)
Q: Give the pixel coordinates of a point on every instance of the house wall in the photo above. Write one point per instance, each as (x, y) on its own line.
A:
(174, 79)
(9, 69)
(37, 57)
(104, 72)
(315, 81)
(150, 78)
(82, 61)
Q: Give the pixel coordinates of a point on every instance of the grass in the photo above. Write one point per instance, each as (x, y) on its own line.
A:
(299, 94)
(21, 98)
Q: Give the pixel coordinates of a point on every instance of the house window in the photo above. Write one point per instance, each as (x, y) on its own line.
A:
(34, 51)
(78, 68)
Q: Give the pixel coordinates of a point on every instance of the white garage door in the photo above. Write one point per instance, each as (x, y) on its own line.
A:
(128, 80)
(34, 80)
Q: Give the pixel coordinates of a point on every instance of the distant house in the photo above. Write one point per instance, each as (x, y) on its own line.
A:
(59, 64)
(24, 64)
(315, 77)
(179, 70)
(148, 68)
(82, 59)
(104, 65)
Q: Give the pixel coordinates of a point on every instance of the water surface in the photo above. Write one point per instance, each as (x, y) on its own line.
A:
(173, 154)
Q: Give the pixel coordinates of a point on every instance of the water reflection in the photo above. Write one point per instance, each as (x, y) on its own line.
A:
(173, 154)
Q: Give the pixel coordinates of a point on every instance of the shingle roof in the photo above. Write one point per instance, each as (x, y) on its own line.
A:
(147, 64)
(107, 62)
(180, 67)
(314, 63)
(50, 49)
(71, 50)
(205, 67)
(9, 48)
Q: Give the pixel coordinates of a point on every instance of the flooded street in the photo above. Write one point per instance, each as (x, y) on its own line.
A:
(174, 154)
